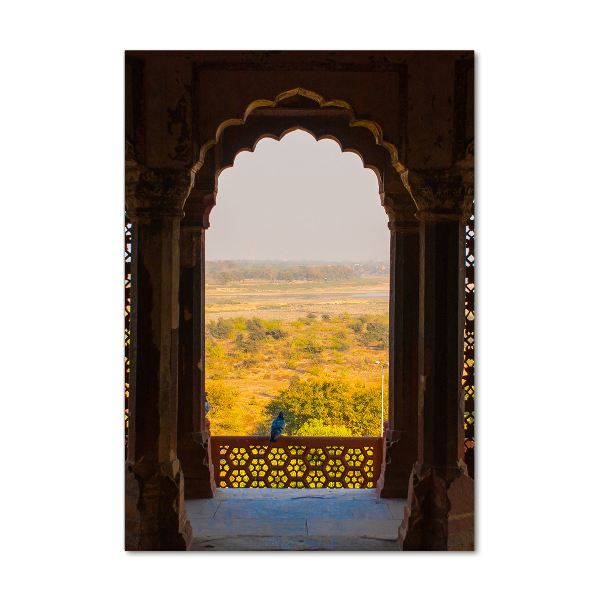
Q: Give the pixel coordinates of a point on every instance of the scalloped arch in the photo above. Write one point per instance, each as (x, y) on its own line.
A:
(372, 126)
(317, 138)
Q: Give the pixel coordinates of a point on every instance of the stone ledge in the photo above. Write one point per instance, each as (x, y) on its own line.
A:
(293, 543)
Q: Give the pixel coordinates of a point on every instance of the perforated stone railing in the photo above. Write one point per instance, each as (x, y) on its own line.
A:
(469, 358)
(128, 227)
(296, 462)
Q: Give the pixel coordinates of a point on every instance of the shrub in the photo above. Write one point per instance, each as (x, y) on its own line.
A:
(377, 328)
(312, 347)
(220, 329)
(257, 336)
(340, 345)
(254, 324)
(376, 333)
(248, 346)
(239, 323)
(277, 333)
(356, 326)
(214, 350)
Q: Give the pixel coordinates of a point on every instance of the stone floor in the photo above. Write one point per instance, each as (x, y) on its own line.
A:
(295, 519)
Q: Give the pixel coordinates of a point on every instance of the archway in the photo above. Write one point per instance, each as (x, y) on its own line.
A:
(335, 120)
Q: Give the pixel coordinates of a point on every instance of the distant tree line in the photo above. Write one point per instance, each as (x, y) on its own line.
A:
(228, 271)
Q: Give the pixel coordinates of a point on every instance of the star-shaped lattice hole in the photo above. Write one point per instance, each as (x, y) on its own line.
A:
(258, 468)
(277, 457)
(354, 479)
(354, 457)
(277, 479)
(238, 457)
(296, 467)
(335, 468)
(316, 457)
(316, 479)
(238, 478)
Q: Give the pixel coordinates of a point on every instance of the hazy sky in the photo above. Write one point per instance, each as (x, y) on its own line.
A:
(298, 199)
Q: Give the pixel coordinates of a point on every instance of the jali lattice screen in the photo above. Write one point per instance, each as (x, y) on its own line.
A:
(296, 462)
(469, 371)
(127, 317)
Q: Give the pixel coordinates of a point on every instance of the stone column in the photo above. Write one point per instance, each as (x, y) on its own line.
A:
(401, 437)
(193, 446)
(440, 506)
(155, 516)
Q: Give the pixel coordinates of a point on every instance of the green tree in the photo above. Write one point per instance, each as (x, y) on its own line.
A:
(333, 402)
(317, 427)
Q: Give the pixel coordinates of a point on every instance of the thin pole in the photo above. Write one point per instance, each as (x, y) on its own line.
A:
(382, 400)
(382, 367)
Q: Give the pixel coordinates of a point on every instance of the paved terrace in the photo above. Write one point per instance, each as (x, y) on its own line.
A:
(295, 519)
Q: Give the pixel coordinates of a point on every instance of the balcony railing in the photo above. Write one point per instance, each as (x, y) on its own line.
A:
(296, 462)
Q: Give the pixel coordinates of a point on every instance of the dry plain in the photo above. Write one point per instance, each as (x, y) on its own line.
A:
(331, 317)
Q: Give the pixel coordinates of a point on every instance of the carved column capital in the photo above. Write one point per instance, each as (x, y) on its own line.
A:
(157, 192)
(442, 194)
(400, 209)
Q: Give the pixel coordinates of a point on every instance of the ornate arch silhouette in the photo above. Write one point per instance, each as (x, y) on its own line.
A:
(371, 126)
(318, 138)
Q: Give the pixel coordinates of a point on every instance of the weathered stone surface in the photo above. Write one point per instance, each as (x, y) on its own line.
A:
(157, 192)
(401, 438)
(155, 515)
(382, 529)
(442, 194)
(294, 543)
(287, 519)
(194, 455)
(321, 508)
(210, 528)
(439, 513)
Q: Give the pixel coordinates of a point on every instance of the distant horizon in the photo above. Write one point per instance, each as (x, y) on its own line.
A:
(300, 262)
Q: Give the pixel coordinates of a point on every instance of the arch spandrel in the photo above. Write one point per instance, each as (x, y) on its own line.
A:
(369, 125)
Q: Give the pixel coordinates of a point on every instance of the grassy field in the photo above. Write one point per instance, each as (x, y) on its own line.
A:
(269, 333)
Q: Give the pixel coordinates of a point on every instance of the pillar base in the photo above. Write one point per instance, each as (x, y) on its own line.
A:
(440, 510)
(155, 516)
(398, 460)
(193, 451)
